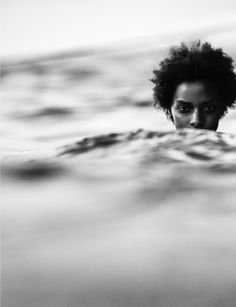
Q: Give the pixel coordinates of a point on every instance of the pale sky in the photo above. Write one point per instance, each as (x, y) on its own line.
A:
(32, 27)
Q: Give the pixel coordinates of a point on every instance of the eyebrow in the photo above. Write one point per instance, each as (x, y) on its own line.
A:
(189, 102)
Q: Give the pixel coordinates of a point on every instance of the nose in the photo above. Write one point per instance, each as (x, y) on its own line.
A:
(196, 120)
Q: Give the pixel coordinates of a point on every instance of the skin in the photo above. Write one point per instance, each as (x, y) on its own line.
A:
(196, 105)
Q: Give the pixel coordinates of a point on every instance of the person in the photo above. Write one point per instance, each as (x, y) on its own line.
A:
(195, 86)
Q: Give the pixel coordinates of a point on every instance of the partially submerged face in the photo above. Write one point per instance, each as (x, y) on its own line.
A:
(196, 104)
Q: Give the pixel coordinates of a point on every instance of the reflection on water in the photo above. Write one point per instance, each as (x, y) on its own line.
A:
(98, 212)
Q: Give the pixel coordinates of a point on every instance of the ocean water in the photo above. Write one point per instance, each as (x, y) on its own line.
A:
(104, 203)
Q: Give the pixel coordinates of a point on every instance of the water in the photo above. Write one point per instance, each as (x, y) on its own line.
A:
(105, 204)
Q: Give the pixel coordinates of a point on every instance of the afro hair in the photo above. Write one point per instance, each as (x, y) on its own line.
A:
(194, 62)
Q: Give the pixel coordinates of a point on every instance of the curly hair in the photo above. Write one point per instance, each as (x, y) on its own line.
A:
(194, 63)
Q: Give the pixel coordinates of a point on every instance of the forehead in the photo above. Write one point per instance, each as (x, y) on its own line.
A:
(196, 92)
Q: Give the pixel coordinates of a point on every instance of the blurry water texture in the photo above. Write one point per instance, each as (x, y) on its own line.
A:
(104, 204)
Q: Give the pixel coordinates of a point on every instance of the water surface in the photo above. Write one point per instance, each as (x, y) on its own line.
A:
(104, 203)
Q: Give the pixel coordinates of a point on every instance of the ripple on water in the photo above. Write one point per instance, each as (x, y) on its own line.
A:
(139, 149)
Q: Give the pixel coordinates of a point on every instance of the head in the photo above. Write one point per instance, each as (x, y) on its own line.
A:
(195, 86)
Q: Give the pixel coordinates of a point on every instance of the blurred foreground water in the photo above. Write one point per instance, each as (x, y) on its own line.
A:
(104, 204)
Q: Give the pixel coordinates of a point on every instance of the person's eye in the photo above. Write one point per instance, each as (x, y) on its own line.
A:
(184, 108)
(209, 109)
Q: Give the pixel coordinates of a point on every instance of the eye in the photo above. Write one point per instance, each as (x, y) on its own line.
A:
(210, 109)
(183, 108)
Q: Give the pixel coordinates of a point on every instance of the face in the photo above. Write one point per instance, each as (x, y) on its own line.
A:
(196, 105)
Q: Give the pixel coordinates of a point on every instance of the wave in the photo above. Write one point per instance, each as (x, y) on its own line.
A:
(185, 145)
(139, 149)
